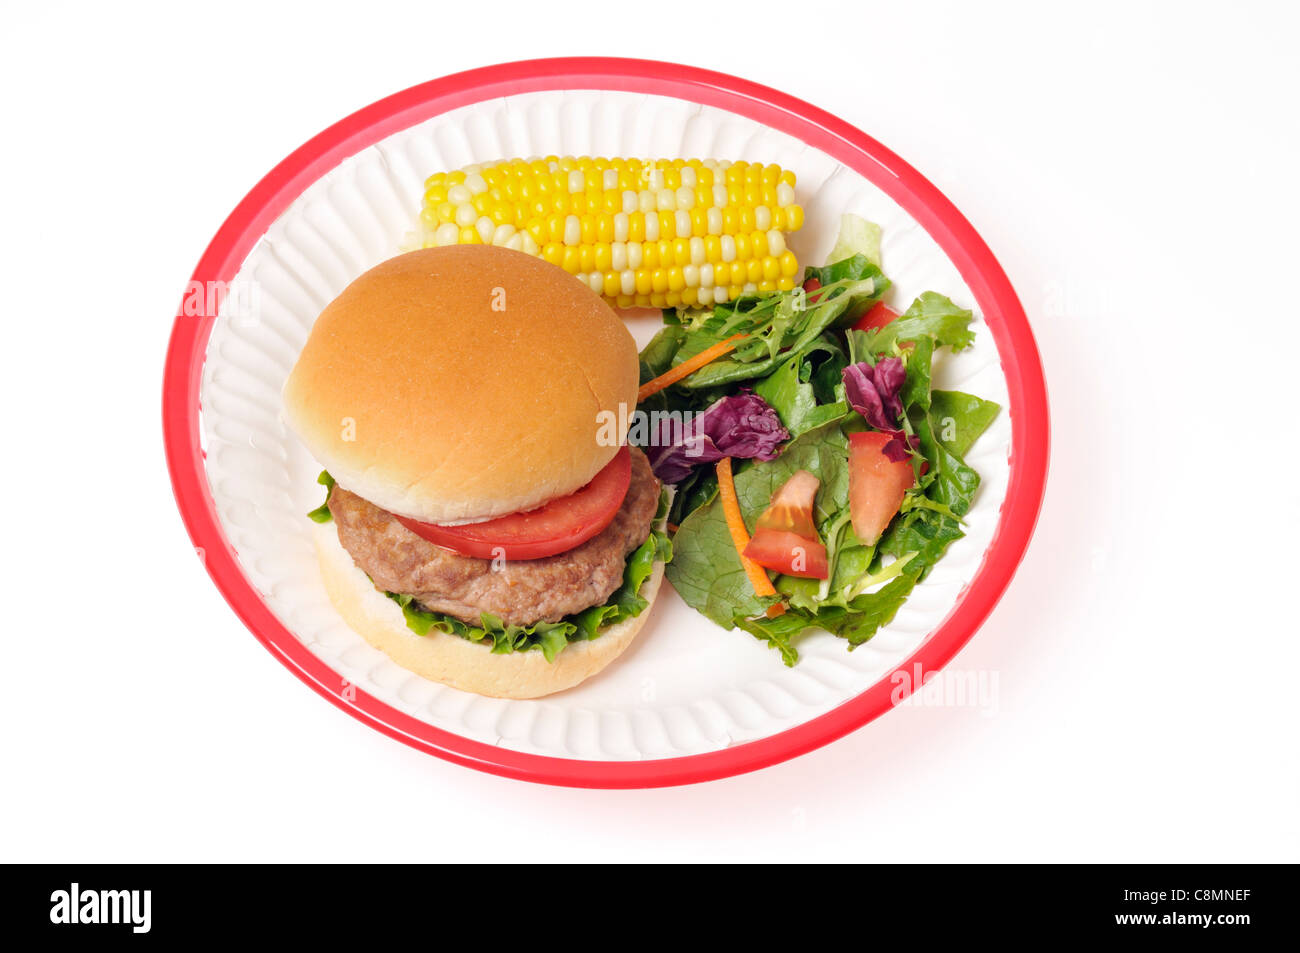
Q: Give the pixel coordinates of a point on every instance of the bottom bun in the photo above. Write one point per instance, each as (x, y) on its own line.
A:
(459, 662)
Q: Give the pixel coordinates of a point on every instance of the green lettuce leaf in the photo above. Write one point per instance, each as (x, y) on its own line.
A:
(857, 237)
(959, 418)
(779, 326)
(322, 513)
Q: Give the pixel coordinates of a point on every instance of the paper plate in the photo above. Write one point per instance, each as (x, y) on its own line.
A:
(688, 701)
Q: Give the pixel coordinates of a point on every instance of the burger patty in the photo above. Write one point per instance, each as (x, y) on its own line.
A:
(519, 592)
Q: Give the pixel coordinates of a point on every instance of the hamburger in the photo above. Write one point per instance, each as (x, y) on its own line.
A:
(486, 525)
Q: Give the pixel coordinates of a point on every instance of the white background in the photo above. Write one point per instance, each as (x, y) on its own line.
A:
(1133, 167)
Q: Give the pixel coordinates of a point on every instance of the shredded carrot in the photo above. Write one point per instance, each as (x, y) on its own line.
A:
(774, 610)
(739, 534)
(687, 367)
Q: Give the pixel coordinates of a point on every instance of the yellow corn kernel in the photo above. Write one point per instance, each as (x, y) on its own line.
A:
(605, 227)
(572, 262)
(789, 265)
(699, 222)
(636, 227)
(758, 242)
(675, 280)
(644, 281)
(742, 246)
(682, 251)
(469, 236)
(613, 284)
(784, 284)
(713, 248)
(771, 269)
(602, 256)
(553, 252)
(793, 218)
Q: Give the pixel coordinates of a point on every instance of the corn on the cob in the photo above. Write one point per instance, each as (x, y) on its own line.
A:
(658, 233)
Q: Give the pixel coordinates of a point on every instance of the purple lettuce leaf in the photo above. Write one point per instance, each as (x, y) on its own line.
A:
(874, 393)
(742, 425)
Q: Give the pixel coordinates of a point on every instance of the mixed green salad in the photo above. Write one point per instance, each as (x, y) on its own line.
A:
(819, 476)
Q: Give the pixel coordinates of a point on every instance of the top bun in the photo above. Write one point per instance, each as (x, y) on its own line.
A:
(463, 383)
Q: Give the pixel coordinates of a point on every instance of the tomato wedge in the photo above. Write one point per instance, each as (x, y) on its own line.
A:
(788, 553)
(791, 509)
(552, 528)
(876, 484)
(785, 536)
(877, 316)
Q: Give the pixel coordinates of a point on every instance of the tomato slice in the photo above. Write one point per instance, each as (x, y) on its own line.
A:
(788, 553)
(877, 316)
(876, 484)
(554, 527)
(785, 536)
(791, 509)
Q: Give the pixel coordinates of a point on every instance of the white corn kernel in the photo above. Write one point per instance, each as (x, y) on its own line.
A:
(784, 195)
(691, 275)
(485, 228)
(652, 228)
(458, 194)
(728, 245)
(572, 230)
(618, 256)
(683, 223)
(714, 220)
(629, 282)
(634, 254)
(620, 226)
(775, 243)
(475, 183)
(698, 256)
(763, 218)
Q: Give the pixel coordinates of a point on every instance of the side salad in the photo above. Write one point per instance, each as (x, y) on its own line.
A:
(819, 476)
